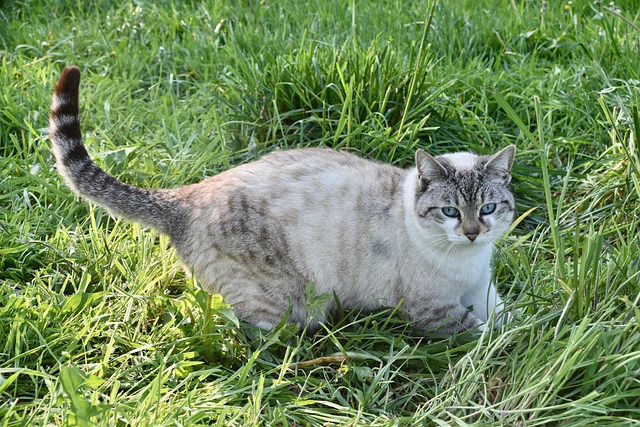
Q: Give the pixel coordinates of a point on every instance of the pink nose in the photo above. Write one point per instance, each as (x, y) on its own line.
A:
(471, 236)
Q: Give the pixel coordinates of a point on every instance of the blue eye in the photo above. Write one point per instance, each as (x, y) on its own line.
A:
(451, 212)
(487, 209)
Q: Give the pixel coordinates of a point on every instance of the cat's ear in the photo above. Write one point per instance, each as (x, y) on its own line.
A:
(500, 163)
(429, 169)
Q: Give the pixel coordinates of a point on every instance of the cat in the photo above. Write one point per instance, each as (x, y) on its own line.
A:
(369, 233)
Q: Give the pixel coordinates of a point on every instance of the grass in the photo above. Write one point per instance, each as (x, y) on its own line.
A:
(99, 325)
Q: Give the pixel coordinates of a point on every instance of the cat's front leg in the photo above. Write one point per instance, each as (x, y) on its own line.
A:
(445, 318)
(486, 304)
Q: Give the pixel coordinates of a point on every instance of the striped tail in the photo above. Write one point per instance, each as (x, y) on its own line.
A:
(155, 208)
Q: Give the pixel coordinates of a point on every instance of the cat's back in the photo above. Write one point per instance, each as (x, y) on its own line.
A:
(308, 163)
(325, 179)
(309, 174)
(302, 189)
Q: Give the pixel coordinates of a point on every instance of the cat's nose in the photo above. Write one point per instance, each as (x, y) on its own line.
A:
(471, 231)
(471, 236)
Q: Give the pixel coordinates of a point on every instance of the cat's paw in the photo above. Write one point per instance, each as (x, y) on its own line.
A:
(499, 319)
(266, 326)
(511, 315)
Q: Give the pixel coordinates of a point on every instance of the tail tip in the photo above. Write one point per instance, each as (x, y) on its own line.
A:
(69, 81)
(71, 69)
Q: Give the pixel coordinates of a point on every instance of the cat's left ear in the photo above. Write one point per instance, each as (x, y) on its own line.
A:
(500, 163)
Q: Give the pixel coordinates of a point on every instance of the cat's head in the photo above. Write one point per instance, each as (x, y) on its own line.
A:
(465, 197)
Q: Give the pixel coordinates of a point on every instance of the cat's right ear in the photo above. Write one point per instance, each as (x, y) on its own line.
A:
(429, 169)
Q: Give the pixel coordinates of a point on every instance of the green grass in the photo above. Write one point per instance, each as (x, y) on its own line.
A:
(100, 326)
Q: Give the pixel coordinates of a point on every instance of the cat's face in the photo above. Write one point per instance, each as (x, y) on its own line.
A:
(463, 198)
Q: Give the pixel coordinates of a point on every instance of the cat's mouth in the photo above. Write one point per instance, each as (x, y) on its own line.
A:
(464, 240)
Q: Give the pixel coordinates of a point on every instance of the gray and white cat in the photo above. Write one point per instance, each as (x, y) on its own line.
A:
(373, 234)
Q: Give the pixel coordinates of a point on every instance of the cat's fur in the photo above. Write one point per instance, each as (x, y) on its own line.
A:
(373, 234)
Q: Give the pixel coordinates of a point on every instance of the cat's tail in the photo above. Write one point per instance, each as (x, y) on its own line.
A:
(156, 208)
